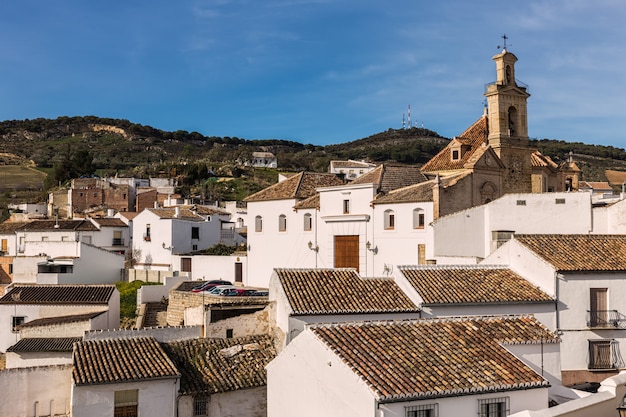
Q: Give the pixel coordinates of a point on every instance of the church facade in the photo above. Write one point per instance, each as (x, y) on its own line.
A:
(493, 157)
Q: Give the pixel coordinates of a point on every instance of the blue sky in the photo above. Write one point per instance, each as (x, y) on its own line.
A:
(314, 71)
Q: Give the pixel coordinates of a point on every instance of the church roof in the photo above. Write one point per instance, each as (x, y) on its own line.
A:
(474, 137)
(539, 160)
(387, 178)
(418, 193)
(299, 186)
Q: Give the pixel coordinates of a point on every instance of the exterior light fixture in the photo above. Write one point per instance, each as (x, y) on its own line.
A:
(369, 247)
(314, 248)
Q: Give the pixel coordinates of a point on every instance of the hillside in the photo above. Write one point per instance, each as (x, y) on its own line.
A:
(73, 146)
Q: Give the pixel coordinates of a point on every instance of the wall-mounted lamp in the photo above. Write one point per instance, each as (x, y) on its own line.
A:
(249, 247)
(314, 248)
(167, 247)
(369, 247)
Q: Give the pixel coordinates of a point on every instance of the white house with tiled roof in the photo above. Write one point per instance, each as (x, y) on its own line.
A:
(278, 235)
(586, 274)
(305, 296)
(350, 169)
(161, 233)
(28, 303)
(123, 377)
(462, 366)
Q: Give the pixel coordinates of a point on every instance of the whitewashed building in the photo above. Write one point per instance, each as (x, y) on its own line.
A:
(472, 366)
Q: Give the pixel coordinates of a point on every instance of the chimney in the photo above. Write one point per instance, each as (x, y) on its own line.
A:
(110, 212)
(177, 212)
(436, 197)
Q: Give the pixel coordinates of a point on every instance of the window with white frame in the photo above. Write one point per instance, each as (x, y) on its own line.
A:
(258, 224)
(308, 222)
(426, 410)
(282, 223)
(418, 218)
(493, 407)
(390, 220)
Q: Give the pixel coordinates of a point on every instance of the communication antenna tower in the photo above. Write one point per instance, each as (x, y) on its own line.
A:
(409, 122)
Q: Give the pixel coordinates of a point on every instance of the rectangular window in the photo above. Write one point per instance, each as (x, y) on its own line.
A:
(455, 155)
(195, 233)
(44, 238)
(200, 406)
(185, 264)
(598, 307)
(426, 410)
(126, 403)
(346, 206)
(602, 356)
(493, 407)
(10, 268)
(17, 321)
(5, 245)
(146, 236)
(521, 202)
(258, 224)
(559, 201)
(194, 247)
(229, 333)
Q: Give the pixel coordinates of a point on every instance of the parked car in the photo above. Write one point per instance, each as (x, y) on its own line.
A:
(210, 284)
(221, 290)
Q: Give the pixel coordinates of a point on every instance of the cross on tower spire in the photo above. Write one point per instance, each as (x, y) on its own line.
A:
(504, 38)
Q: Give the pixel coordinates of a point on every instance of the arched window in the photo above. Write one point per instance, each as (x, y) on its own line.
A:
(258, 224)
(308, 222)
(282, 223)
(390, 220)
(418, 218)
(512, 121)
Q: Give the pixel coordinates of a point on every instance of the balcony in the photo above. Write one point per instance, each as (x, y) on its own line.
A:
(146, 237)
(605, 319)
(118, 242)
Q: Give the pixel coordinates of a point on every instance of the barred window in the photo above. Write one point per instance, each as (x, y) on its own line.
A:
(201, 405)
(426, 410)
(493, 407)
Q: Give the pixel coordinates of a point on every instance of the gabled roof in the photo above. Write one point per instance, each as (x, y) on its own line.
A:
(312, 202)
(299, 187)
(209, 366)
(341, 291)
(57, 225)
(48, 321)
(537, 159)
(434, 358)
(577, 253)
(121, 360)
(58, 294)
(128, 215)
(418, 193)
(471, 284)
(387, 178)
(170, 213)
(474, 137)
(206, 210)
(350, 164)
(8, 227)
(595, 186)
(109, 222)
(45, 344)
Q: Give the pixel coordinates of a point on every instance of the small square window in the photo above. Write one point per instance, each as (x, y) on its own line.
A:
(17, 321)
(229, 333)
(426, 410)
(559, 201)
(521, 202)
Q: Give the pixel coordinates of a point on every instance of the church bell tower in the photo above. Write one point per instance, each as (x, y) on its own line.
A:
(508, 124)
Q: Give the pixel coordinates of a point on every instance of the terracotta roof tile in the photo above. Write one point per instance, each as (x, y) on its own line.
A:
(467, 284)
(58, 294)
(45, 344)
(299, 186)
(434, 358)
(170, 213)
(109, 222)
(78, 225)
(537, 159)
(474, 137)
(341, 291)
(210, 366)
(421, 192)
(312, 202)
(7, 227)
(579, 252)
(121, 360)
(47, 321)
(387, 178)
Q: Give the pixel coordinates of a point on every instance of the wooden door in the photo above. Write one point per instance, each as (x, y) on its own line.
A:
(598, 307)
(238, 272)
(347, 252)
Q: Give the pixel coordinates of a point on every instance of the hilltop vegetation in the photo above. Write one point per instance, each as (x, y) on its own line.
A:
(69, 147)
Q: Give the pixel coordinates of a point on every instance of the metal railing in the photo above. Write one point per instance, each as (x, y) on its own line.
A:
(610, 319)
(117, 241)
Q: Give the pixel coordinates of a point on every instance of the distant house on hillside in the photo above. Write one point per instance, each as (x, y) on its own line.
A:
(264, 160)
(350, 169)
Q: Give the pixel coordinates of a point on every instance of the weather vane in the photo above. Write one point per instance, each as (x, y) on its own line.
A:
(504, 38)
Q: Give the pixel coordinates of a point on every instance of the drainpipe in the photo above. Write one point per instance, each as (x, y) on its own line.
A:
(557, 277)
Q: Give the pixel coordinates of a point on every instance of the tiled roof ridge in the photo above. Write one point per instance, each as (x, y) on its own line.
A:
(570, 236)
(27, 284)
(456, 267)
(384, 322)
